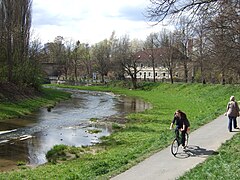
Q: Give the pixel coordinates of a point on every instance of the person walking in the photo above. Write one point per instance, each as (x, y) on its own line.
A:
(182, 124)
(232, 113)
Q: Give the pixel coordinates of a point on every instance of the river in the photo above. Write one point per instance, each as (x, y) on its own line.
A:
(29, 138)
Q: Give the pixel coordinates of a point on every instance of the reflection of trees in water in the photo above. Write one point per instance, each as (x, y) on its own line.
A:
(14, 151)
(37, 149)
(129, 104)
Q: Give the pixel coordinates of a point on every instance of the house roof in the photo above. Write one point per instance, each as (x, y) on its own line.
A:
(157, 53)
(147, 54)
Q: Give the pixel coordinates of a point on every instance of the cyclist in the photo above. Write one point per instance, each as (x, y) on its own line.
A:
(182, 124)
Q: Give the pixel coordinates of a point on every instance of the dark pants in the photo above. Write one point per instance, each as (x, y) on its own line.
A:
(232, 121)
(183, 133)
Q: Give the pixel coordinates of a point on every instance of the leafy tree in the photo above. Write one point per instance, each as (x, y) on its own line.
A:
(15, 24)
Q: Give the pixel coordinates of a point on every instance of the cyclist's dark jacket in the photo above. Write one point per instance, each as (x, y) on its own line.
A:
(180, 121)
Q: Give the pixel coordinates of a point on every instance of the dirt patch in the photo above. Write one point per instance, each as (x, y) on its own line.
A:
(117, 119)
(12, 92)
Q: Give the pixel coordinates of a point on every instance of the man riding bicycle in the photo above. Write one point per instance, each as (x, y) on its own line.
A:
(182, 124)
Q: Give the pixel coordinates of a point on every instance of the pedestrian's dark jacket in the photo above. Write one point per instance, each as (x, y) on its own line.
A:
(180, 121)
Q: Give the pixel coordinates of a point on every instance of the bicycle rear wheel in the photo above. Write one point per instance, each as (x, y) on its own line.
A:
(186, 139)
(174, 147)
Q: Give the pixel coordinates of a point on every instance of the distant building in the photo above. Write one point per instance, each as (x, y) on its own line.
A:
(145, 61)
(51, 71)
(159, 56)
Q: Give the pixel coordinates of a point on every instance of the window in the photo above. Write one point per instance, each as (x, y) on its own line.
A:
(164, 74)
(156, 74)
(149, 74)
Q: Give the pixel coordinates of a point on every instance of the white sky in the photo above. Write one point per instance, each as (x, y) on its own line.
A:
(90, 21)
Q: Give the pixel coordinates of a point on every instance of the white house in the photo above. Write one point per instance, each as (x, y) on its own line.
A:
(145, 59)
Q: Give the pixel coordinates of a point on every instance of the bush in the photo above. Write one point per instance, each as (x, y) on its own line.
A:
(56, 153)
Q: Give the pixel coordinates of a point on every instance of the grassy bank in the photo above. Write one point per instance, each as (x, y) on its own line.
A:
(144, 134)
(225, 165)
(15, 109)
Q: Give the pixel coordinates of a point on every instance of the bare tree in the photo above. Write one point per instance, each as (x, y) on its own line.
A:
(221, 50)
(55, 52)
(221, 35)
(125, 54)
(68, 59)
(32, 68)
(101, 55)
(152, 42)
(183, 41)
(76, 59)
(158, 10)
(85, 59)
(200, 52)
(167, 44)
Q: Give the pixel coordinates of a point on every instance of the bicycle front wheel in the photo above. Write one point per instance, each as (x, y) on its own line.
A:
(174, 147)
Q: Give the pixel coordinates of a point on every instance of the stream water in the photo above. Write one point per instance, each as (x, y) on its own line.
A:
(29, 138)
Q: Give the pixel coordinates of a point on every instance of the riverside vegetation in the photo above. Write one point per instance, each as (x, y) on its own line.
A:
(147, 132)
(20, 107)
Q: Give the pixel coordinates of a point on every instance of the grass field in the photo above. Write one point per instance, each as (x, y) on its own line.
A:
(148, 132)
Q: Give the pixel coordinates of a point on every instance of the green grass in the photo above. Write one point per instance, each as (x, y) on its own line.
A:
(225, 165)
(20, 108)
(144, 133)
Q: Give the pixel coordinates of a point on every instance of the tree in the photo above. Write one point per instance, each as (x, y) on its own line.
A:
(32, 68)
(68, 59)
(219, 39)
(55, 53)
(76, 58)
(125, 54)
(85, 59)
(152, 42)
(15, 26)
(158, 10)
(183, 43)
(200, 52)
(101, 55)
(168, 55)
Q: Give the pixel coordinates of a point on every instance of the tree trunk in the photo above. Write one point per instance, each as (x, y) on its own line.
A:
(185, 71)
(102, 78)
(134, 83)
(171, 75)
(153, 64)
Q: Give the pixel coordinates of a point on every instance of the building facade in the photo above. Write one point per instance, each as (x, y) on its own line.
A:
(145, 70)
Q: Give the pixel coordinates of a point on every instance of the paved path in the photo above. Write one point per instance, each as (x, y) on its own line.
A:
(163, 165)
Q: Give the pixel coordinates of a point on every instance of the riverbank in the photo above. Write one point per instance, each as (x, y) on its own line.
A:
(144, 133)
(23, 103)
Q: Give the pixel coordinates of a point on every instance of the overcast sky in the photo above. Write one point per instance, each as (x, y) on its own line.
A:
(90, 21)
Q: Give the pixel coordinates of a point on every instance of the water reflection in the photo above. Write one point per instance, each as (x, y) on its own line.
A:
(28, 139)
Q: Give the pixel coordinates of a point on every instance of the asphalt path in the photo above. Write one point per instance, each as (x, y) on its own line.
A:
(203, 142)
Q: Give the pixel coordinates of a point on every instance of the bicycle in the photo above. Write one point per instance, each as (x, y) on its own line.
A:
(177, 142)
